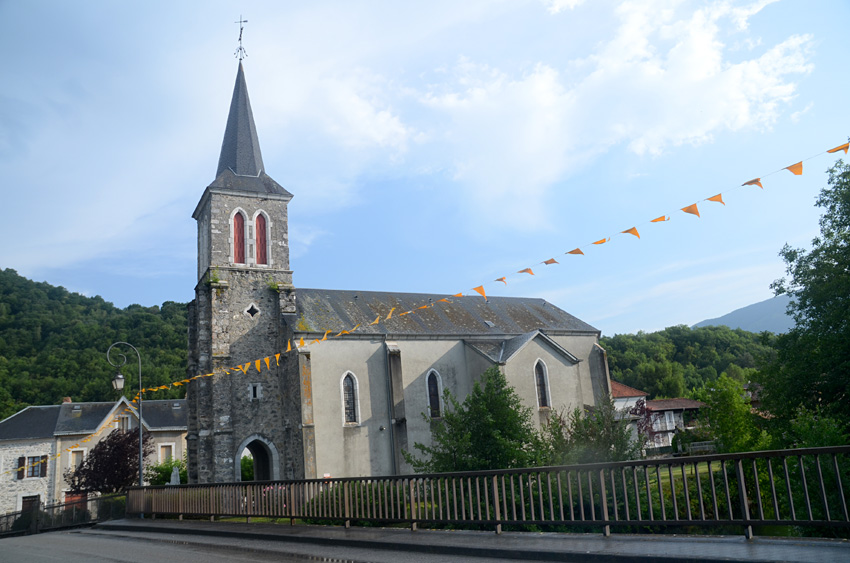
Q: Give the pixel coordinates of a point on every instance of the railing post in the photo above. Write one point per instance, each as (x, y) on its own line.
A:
(346, 491)
(603, 497)
(496, 507)
(742, 495)
(414, 509)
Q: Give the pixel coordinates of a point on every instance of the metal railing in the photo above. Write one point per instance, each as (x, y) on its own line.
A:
(803, 487)
(63, 515)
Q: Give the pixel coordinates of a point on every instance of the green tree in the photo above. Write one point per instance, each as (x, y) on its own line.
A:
(491, 429)
(812, 368)
(729, 416)
(246, 465)
(594, 435)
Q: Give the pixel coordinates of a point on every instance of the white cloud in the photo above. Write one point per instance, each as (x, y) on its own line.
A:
(663, 79)
(558, 6)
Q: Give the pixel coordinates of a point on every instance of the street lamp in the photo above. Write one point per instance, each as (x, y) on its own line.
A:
(118, 384)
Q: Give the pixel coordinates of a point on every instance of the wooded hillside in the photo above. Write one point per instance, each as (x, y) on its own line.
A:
(53, 344)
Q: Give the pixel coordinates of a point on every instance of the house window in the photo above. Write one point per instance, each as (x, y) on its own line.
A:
(239, 238)
(256, 392)
(32, 466)
(541, 379)
(262, 254)
(76, 459)
(434, 394)
(349, 399)
(123, 423)
(166, 452)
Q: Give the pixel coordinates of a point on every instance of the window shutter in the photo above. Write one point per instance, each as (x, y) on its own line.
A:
(43, 466)
(22, 462)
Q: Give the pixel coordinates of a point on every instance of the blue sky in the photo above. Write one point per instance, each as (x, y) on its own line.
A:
(431, 147)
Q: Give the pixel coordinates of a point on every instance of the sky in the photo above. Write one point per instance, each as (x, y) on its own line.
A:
(431, 146)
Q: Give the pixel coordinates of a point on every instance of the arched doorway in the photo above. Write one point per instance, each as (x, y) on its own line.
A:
(265, 457)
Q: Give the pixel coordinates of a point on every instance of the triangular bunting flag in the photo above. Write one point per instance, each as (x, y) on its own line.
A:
(405, 313)
(325, 337)
(288, 347)
(550, 261)
(754, 182)
(355, 327)
(301, 343)
(575, 251)
(423, 307)
(660, 219)
(246, 367)
(458, 295)
(315, 341)
(340, 333)
(632, 231)
(602, 241)
(502, 279)
(843, 147)
(795, 169)
(443, 299)
(378, 318)
(277, 356)
(257, 363)
(267, 362)
(526, 271)
(692, 209)
(391, 314)
(480, 289)
(716, 198)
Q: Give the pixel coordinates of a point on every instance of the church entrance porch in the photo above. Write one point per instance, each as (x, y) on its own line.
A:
(266, 460)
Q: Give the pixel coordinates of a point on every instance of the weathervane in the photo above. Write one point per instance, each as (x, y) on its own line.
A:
(240, 52)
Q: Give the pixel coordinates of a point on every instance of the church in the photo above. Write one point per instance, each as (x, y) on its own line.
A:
(350, 404)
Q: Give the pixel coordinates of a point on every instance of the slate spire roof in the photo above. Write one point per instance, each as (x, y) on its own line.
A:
(240, 150)
(240, 165)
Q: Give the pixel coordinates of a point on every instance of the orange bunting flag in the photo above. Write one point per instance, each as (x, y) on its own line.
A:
(355, 327)
(632, 231)
(423, 307)
(325, 337)
(246, 367)
(480, 289)
(315, 341)
(526, 271)
(391, 314)
(257, 364)
(843, 147)
(602, 241)
(754, 182)
(502, 279)
(277, 356)
(443, 299)
(550, 261)
(288, 348)
(378, 318)
(177, 383)
(692, 209)
(660, 219)
(340, 333)
(795, 169)
(267, 362)
(301, 344)
(717, 198)
(575, 251)
(405, 313)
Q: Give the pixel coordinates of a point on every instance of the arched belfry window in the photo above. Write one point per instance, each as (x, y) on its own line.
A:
(542, 380)
(434, 394)
(350, 403)
(260, 226)
(238, 238)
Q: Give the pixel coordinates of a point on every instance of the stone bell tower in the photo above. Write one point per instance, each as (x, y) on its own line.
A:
(244, 288)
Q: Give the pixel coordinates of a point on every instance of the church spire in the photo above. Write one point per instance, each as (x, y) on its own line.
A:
(240, 150)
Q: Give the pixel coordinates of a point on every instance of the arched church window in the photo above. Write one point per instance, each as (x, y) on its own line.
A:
(434, 394)
(542, 381)
(349, 399)
(260, 227)
(239, 238)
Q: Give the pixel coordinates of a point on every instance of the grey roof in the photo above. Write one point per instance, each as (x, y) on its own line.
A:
(65, 419)
(30, 423)
(332, 309)
(240, 165)
(501, 351)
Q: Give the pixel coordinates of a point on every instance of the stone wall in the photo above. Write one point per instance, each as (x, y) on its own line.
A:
(12, 489)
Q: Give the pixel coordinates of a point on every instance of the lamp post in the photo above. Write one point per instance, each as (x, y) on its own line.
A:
(118, 384)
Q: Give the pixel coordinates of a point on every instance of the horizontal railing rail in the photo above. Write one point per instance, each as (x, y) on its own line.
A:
(63, 515)
(802, 487)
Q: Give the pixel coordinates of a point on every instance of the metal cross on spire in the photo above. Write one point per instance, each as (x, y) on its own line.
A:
(240, 52)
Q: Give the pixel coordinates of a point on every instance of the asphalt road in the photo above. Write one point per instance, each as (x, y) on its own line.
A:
(98, 546)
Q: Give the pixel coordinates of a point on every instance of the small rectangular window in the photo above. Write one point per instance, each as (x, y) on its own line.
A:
(123, 423)
(76, 459)
(166, 452)
(34, 464)
(256, 392)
